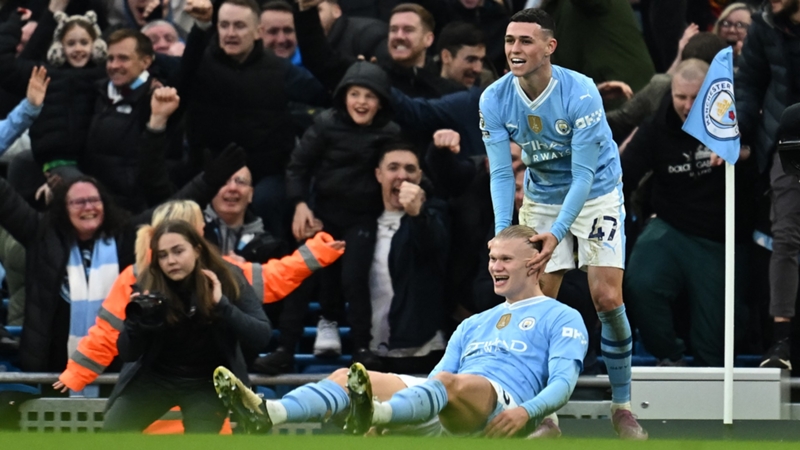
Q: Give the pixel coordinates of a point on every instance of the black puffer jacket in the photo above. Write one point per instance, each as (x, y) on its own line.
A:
(246, 103)
(340, 155)
(60, 130)
(766, 83)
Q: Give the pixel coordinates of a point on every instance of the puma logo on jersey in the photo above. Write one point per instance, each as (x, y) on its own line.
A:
(584, 96)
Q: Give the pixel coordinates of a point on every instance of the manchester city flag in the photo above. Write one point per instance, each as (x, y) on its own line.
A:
(712, 119)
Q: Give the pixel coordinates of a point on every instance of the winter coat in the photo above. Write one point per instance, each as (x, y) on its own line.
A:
(765, 84)
(61, 130)
(245, 102)
(340, 155)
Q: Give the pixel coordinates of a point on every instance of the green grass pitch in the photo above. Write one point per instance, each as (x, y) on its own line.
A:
(36, 441)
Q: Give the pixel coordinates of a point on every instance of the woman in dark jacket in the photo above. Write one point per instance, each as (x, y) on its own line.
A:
(75, 63)
(208, 310)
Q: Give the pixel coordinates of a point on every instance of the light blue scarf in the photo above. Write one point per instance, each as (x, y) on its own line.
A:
(87, 292)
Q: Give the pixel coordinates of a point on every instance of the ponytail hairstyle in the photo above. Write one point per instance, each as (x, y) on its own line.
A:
(185, 210)
(156, 281)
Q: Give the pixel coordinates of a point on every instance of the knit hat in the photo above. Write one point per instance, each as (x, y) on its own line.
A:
(56, 55)
(789, 140)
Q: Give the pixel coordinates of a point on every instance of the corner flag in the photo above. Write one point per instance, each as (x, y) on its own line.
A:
(712, 119)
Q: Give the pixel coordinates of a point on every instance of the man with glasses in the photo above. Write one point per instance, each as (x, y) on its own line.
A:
(237, 231)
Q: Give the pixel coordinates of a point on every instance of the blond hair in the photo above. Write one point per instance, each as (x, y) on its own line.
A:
(519, 232)
(727, 12)
(185, 210)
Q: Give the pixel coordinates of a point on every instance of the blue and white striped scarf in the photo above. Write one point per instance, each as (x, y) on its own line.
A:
(89, 286)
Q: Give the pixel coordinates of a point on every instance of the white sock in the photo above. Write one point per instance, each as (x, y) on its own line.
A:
(382, 413)
(616, 406)
(552, 417)
(276, 411)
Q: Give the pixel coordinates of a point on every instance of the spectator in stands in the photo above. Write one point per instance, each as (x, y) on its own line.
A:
(410, 35)
(120, 116)
(276, 30)
(491, 17)
(339, 153)
(462, 51)
(601, 41)
(75, 63)
(765, 85)
(164, 37)
(237, 232)
(210, 314)
(98, 349)
(732, 26)
(248, 105)
(623, 120)
(407, 248)
(682, 249)
(353, 36)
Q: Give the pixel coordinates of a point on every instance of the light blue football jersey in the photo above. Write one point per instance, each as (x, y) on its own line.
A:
(511, 344)
(566, 143)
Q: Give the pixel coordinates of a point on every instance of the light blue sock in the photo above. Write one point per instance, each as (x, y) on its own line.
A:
(418, 403)
(314, 402)
(616, 344)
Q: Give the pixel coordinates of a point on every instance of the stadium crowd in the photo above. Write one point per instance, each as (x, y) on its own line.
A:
(332, 153)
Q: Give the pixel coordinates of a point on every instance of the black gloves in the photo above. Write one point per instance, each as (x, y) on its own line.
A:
(221, 168)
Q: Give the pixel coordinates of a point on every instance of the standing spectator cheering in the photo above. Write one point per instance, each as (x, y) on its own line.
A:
(235, 91)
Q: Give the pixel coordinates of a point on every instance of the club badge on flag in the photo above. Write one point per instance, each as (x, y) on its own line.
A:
(712, 119)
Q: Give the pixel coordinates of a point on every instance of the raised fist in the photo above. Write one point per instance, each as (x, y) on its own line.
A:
(411, 197)
(200, 10)
(163, 103)
(448, 139)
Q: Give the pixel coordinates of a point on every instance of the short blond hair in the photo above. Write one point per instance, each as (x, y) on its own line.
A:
(519, 232)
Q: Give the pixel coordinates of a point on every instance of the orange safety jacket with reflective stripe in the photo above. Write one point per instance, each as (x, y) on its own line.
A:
(272, 281)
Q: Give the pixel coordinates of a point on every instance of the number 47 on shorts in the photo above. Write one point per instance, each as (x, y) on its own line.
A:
(597, 228)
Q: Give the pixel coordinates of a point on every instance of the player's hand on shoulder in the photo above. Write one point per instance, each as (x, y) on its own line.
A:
(411, 197)
(507, 424)
(447, 139)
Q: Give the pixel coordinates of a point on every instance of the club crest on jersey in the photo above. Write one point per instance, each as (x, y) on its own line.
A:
(503, 322)
(535, 122)
(562, 127)
(527, 323)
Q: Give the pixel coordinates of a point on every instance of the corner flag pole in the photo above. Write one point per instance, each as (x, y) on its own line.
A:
(713, 121)
(730, 251)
